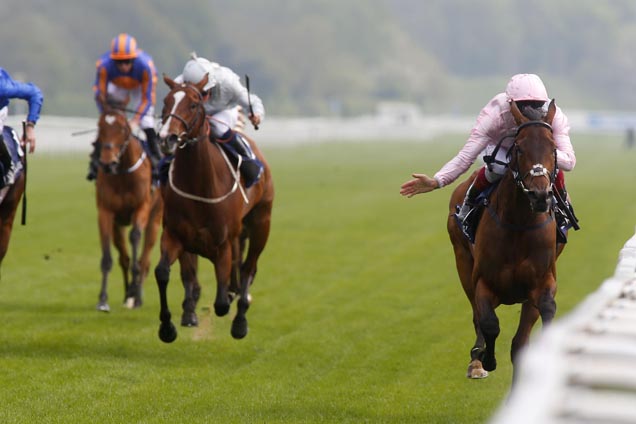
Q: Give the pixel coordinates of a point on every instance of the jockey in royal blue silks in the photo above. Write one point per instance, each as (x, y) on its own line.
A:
(126, 74)
(10, 150)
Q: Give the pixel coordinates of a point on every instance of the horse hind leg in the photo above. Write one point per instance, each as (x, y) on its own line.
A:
(106, 263)
(529, 316)
(119, 241)
(192, 289)
(133, 291)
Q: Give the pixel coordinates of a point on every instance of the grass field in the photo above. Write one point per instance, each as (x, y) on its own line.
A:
(358, 315)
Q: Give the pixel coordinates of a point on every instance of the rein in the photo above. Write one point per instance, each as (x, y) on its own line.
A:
(123, 149)
(213, 200)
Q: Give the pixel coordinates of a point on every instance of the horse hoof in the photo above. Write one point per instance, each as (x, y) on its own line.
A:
(130, 303)
(189, 320)
(167, 332)
(477, 374)
(490, 365)
(239, 328)
(476, 370)
(103, 307)
(221, 309)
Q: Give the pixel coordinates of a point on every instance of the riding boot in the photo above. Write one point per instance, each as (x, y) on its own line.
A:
(251, 168)
(94, 161)
(469, 201)
(153, 150)
(565, 219)
(5, 161)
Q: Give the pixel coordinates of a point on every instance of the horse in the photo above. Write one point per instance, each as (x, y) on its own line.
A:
(513, 259)
(10, 196)
(207, 213)
(125, 197)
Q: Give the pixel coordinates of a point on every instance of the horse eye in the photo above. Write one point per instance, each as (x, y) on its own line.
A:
(193, 106)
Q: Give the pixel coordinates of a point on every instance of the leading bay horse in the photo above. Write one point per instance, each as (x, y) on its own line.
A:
(207, 212)
(514, 256)
(125, 197)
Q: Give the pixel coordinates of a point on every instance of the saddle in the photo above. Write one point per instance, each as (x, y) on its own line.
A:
(250, 167)
(10, 156)
(563, 212)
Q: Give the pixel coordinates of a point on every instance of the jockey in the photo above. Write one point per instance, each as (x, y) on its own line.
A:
(223, 93)
(494, 123)
(127, 73)
(11, 89)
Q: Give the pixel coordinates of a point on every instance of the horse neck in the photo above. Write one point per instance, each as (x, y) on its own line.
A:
(512, 205)
(202, 159)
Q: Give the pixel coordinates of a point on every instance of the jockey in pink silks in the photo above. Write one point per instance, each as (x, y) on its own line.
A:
(494, 123)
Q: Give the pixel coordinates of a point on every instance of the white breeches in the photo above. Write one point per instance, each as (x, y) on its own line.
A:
(132, 98)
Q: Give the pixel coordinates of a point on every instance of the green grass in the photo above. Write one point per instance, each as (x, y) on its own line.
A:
(358, 315)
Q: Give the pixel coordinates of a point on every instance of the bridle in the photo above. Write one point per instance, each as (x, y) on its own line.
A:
(187, 136)
(122, 149)
(538, 169)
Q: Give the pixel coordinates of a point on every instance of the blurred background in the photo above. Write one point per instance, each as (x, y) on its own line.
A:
(338, 58)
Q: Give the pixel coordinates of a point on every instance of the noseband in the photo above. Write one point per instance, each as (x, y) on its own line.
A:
(538, 169)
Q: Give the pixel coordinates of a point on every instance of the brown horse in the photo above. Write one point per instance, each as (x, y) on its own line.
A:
(125, 197)
(10, 196)
(514, 256)
(207, 212)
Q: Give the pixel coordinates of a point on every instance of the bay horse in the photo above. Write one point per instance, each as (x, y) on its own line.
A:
(10, 196)
(125, 197)
(207, 212)
(513, 259)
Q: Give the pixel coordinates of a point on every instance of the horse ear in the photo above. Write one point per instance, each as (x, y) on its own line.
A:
(202, 83)
(516, 113)
(551, 111)
(169, 81)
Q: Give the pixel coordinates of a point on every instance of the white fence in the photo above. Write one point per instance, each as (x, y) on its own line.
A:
(582, 369)
(60, 134)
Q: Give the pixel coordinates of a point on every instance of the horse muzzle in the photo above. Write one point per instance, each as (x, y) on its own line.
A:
(169, 144)
(110, 167)
(540, 200)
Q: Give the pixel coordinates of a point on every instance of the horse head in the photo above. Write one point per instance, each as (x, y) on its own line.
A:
(533, 157)
(183, 116)
(114, 135)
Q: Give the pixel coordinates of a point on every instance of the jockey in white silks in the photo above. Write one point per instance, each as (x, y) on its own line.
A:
(223, 97)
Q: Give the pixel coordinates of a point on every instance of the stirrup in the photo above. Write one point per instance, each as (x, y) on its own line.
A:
(464, 211)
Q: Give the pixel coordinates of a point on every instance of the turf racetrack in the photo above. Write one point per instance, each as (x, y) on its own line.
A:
(358, 315)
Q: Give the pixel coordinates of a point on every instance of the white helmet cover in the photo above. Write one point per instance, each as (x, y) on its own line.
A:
(196, 68)
(526, 87)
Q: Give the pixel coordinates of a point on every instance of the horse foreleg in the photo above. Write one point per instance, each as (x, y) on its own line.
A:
(105, 220)
(488, 323)
(259, 224)
(170, 250)
(222, 270)
(191, 287)
(150, 236)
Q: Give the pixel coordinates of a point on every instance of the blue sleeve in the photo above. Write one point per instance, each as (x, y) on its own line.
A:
(11, 89)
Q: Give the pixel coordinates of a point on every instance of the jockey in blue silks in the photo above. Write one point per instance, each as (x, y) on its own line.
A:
(12, 89)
